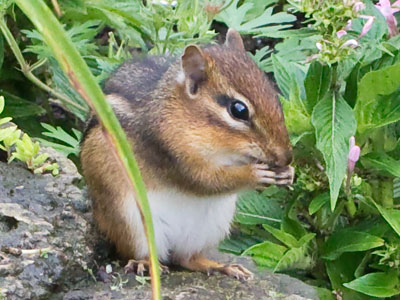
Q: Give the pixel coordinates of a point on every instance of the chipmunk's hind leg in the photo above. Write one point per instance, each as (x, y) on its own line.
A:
(205, 265)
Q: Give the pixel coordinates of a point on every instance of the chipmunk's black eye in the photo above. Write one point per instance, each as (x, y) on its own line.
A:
(239, 110)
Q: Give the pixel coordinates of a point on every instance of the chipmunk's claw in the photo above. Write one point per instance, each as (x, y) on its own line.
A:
(141, 267)
(266, 176)
(237, 271)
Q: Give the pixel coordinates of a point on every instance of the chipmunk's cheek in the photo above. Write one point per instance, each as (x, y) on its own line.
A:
(266, 176)
(230, 159)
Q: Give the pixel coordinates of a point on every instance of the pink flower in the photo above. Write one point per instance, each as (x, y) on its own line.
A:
(358, 6)
(349, 24)
(367, 26)
(341, 33)
(387, 10)
(350, 43)
(354, 155)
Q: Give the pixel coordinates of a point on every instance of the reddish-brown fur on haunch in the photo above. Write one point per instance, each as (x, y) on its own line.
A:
(185, 139)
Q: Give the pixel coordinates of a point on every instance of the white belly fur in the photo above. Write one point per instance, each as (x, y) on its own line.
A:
(184, 224)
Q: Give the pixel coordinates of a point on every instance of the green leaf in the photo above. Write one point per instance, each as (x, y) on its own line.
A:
(392, 216)
(317, 83)
(334, 124)
(255, 208)
(298, 121)
(296, 257)
(324, 294)
(293, 226)
(295, 138)
(378, 99)
(350, 93)
(290, 258)
(238, 243)
(286, 238)
(289, 77)
(243, 19)
(60, 134)
(17, 107)
(318, 202)
(349, 241)
(304, 240)
(1, 52)
(341, 271)
(1, 104)
(5, 120)
(266, 254)
(382, 162)
(376, 284)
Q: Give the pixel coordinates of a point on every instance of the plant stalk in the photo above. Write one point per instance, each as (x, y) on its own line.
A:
(84, 82)
(26, 69)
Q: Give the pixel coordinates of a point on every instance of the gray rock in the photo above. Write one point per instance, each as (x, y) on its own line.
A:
(49, 249)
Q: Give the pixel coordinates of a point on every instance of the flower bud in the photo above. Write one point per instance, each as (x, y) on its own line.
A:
(341, 33)
(352, 158)
(358, 6)
(350, 43)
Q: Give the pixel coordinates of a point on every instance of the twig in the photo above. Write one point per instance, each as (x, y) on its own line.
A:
(57, 8)
(27, 70)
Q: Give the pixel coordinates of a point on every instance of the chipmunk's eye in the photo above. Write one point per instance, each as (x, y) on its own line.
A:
(239, 110)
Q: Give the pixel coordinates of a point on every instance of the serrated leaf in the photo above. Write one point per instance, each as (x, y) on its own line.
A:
(60, 134)
(289, 258)
(349, 241)
(255, 208)
(266, 254)
(296, 256)
(376, 284)
(382, 162)
(317, 83)
(236, 16)
(334, 124)
(318, 202)
(378, 99)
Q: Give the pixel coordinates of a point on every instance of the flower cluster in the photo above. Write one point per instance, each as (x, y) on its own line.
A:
(333, 19)
(387, 10)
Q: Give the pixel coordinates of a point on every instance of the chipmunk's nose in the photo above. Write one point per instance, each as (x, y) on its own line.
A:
(282, 158)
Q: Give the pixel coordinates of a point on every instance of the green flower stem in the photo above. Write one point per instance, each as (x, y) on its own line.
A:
(386, 186)
(351, 207)
(84, 82)
(26, 69)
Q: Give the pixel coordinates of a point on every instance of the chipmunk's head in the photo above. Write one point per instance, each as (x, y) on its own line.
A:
(233, 115)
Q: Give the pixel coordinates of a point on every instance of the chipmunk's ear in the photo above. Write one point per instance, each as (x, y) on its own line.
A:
(194, 69)
(234, 40)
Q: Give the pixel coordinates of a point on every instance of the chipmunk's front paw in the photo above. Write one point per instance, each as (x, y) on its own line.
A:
(266, 176)
(140, 267)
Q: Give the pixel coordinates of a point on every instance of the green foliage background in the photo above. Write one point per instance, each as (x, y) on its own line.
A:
(337, 233)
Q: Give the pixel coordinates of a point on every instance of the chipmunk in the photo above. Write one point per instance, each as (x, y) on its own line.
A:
(203, 128)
